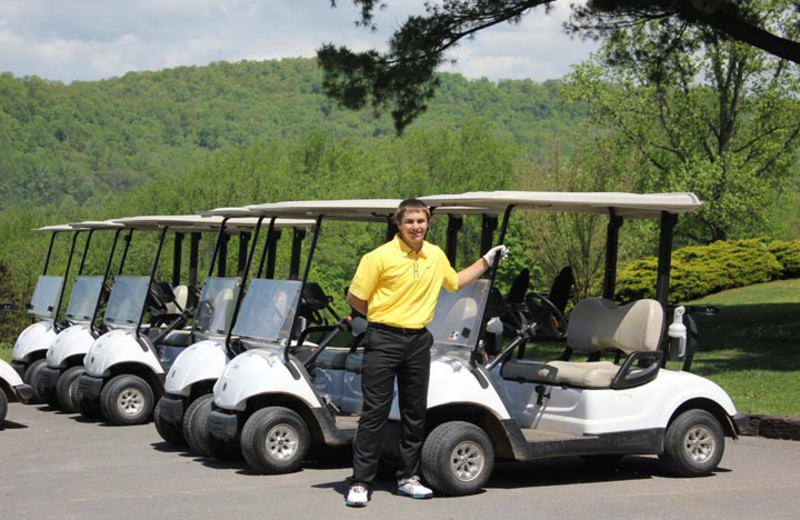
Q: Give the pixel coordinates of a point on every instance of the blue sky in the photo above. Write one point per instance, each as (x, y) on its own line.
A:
(69, 40)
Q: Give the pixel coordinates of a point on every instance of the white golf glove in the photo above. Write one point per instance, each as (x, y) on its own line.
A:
(493, 252)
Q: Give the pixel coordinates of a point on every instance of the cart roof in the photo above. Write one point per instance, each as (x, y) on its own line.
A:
(625, 205)
(203, 223)
(352, 209)
(96, 224)
(180, 223)
(55, 228)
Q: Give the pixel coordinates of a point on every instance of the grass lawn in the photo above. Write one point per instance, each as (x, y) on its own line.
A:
(751, 348)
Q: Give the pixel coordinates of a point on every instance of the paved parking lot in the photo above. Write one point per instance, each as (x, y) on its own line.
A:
(58, 466)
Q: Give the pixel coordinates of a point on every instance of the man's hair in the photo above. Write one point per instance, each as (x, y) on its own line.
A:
(410, 205)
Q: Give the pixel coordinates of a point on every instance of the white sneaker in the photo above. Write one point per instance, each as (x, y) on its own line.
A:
(357, 496)
(413, 488)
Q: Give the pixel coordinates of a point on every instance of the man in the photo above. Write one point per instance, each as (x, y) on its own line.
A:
(396, 286)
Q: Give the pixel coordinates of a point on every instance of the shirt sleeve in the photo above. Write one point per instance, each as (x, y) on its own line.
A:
(450, 279)
(366, 278)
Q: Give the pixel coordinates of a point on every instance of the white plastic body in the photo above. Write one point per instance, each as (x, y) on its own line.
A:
(202, 361)
(9, 375)
(115, 347)
(597, 411)
(69, 343)
(256, 372)
(35, 338)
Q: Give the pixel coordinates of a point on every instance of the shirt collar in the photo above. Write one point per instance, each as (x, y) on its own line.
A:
(407, 250)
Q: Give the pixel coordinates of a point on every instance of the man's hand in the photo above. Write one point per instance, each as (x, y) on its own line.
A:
(493, 252)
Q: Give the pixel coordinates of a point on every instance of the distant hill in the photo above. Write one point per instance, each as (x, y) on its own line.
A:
(105, 137)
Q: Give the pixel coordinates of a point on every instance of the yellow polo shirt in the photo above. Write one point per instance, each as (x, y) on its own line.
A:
(400, 286)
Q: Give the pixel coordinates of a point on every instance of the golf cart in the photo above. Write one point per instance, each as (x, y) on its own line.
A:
(279, 400)
(514, 408)
(57, 382)
(11, 389)
(192, 375)
(28, 355)
(124, 367)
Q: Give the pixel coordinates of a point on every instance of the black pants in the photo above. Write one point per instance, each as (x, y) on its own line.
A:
(389, 354)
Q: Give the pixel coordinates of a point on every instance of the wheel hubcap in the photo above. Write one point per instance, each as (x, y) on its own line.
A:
(282, 442)
(130, 401)
(699, 444)
(466, 461)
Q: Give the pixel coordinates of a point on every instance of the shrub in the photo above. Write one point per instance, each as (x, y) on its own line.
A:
(788, 254)
(701, 270)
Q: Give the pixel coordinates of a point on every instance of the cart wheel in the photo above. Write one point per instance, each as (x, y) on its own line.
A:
(32, 378)
(3, 408)
(67, 389)
(170, 432)
(195, 431)
(457, 458)
(126, 399)
(693, 444)
(275, 440)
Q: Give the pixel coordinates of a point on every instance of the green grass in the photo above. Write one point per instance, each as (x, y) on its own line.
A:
(5, 352)
(752, 347)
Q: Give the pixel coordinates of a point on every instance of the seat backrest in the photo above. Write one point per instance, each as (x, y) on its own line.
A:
(562, 285)
(516, 293)
(181, 293)
(597, 324)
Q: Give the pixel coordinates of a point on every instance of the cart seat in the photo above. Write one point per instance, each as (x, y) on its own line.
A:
(332, 358)
(598, 325)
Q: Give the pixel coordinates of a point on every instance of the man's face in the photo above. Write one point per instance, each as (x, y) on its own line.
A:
(412, 227)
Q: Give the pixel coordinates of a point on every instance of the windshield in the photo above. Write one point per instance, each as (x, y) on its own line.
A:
(457, 319)
(45, 296)
(268, 309)
(127, 300)
(84, 297)
(215, 308)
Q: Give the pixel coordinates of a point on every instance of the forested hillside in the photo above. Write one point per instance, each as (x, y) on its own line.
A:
(71, 142)
(193, 138)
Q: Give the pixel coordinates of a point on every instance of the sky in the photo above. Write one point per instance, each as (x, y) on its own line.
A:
(84, 40)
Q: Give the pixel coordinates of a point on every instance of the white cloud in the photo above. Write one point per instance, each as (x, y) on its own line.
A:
(93, 39)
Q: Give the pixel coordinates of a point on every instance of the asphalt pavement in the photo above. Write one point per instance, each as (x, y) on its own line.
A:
(59, 466)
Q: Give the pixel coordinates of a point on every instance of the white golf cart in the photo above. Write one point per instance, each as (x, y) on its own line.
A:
(57, 382)
(124, 367)
(191, 377)
(30, 349)
(11, 389)
(279, 400)
(520, 409)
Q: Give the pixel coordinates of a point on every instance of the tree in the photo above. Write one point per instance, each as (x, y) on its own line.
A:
(708, 114)
(403, 79)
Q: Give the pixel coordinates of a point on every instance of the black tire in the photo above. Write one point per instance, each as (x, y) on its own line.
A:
(67, 389)
(170, 432)
(88, 409)
(47, 394)
(126, 400)
(32, 378)
(693, 445)
(3, 408)
(457, 458)
(275, 440)
(195, 431)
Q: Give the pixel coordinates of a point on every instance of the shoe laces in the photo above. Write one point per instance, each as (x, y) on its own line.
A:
(358, 488)
(414, 480)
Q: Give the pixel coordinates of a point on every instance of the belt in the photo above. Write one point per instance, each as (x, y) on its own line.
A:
(396, 330)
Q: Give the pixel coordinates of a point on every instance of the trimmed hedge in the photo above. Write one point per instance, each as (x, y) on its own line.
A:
(701, 270)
